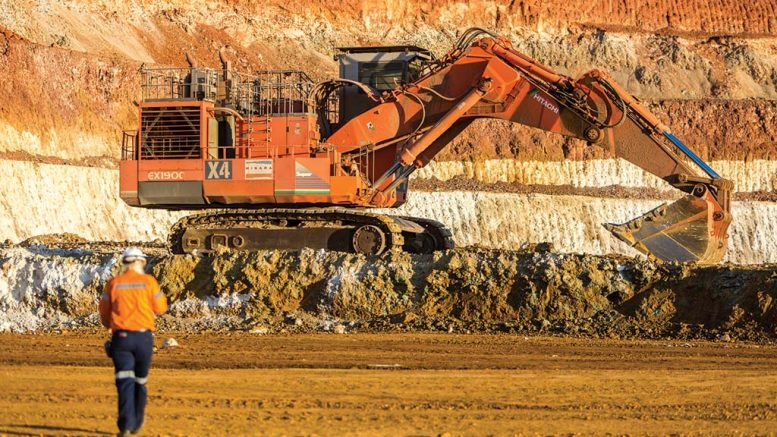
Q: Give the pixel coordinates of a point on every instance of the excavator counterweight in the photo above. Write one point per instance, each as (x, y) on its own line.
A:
(289, 162)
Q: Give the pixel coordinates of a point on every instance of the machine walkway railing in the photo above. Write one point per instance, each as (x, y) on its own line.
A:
(251, 106)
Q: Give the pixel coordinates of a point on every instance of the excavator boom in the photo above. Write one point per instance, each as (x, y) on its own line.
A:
(489, 79)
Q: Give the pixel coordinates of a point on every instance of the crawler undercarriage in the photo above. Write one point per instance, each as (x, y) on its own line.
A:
(330, 228)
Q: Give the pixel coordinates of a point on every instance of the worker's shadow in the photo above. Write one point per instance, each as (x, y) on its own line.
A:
(52, 430)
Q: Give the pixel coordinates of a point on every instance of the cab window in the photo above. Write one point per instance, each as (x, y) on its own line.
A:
(382, 76)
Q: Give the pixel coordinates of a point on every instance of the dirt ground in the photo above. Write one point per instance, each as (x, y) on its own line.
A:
(395, 384)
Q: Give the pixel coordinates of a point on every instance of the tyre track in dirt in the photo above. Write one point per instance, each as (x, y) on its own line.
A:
(462, 384)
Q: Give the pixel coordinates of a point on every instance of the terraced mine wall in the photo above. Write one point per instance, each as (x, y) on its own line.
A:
(572, 223)
(706, 68)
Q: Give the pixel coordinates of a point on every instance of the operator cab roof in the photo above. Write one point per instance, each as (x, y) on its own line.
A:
(417, 51)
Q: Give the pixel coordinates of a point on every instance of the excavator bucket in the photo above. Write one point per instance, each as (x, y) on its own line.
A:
(692, 229)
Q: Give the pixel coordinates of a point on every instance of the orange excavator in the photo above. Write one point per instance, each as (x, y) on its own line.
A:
(277, 161)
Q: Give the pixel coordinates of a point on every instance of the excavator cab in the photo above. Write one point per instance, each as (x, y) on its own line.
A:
(380, 68)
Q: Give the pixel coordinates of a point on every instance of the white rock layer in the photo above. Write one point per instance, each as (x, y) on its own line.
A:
(574, 223)
(38, 199)
(38, 290)
(42, 198)
(748, 176)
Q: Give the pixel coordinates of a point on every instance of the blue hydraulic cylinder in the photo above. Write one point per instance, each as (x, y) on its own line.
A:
(689, 153)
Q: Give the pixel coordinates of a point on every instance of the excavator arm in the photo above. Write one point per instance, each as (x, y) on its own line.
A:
(484, 77)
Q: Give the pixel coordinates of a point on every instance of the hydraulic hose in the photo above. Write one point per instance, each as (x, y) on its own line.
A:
(607, 86)
(470, 34)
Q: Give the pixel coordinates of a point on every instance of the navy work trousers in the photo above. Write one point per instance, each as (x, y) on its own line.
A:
(131, 351)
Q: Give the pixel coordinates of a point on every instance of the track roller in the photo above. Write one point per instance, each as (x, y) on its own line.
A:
(369, 240)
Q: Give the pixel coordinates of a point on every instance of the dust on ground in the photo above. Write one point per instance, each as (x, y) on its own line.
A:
(394, 384)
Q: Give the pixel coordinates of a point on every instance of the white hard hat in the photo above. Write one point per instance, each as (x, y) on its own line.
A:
(133, 254)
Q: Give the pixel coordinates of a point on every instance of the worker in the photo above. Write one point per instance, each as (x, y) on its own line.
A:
(128, 307)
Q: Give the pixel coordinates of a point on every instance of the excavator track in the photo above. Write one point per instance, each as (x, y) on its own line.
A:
(436, 236)
(331, 229)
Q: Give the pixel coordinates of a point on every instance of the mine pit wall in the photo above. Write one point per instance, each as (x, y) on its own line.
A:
(69, 87)
(748, 176)
(574, 223)
(40, 198)
(706, 68)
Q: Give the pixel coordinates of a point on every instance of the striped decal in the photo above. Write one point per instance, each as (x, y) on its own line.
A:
(323, 191)
(311, 183)
(305, 181)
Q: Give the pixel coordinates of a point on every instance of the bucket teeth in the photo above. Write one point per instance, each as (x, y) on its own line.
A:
(687, 230)
(621, 232)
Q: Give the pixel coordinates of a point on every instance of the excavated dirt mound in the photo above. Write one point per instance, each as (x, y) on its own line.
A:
(471, 289)
(65, 239)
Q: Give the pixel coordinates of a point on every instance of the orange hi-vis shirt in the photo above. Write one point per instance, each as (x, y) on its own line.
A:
(130, 302)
